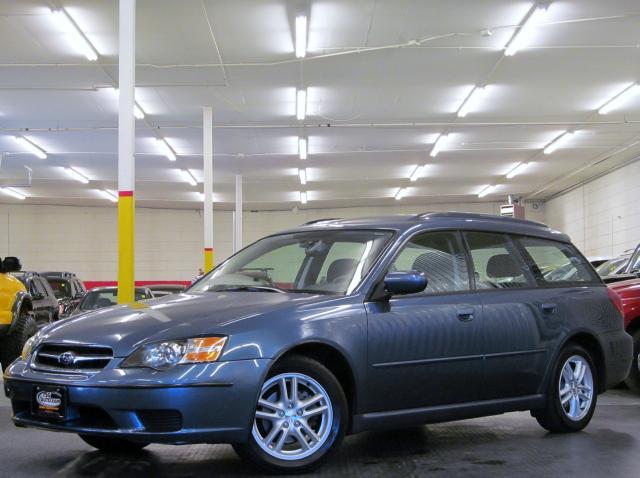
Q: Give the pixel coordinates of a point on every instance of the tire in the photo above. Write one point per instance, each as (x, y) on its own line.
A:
(633, 379)
(555, 417)
(113, 445)
(11, 345)
(328, 426)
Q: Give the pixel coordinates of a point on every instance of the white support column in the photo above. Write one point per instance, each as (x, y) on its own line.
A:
(126, 149)
(207, 128)
(237, 218)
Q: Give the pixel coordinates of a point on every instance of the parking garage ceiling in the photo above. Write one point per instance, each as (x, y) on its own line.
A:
(383, 79)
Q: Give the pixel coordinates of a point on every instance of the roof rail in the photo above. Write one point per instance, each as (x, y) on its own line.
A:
(315, 221)
(473, 215)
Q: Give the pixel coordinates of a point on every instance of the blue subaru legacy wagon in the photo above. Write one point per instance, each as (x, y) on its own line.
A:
(337, 327)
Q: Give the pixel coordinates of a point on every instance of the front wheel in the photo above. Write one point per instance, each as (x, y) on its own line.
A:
(572, 392)
(11, 345)
(113, 445)
(300, 418)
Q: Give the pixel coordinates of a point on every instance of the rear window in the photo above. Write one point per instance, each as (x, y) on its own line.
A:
(557, 262)
(61, 288)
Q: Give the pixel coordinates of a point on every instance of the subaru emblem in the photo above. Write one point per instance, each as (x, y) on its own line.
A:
(67, 358)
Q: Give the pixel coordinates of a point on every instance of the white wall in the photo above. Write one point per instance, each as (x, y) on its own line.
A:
(602, 217)
(168, 241)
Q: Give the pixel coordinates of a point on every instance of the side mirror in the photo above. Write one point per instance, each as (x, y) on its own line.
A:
(11, 264)
(399, 283)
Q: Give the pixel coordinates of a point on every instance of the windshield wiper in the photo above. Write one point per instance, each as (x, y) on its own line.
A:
(248, 288)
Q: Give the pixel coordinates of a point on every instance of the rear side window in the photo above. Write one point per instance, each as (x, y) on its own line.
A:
(557, 262)
(440, 256)
(497, 262)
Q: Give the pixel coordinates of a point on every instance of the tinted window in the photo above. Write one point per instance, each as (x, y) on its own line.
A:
(440, 256)
(496, 261)
(556, 262)
(37, 285)
(107, 298)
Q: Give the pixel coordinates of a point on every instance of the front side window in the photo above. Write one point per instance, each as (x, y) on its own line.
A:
(61, 288)
(557, 262)
(496, 261)
(322, 262)
(440, 257)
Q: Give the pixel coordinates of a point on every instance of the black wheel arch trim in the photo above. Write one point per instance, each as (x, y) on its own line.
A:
(22, 297)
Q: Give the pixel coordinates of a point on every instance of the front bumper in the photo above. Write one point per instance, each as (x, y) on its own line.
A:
(202, 403)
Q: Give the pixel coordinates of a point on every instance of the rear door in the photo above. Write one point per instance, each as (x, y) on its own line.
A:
(517, 333)
(425, 349)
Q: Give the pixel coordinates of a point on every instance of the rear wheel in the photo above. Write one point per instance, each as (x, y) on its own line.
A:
(11, 345)
(113, 445)
(633, 379)
(572, 392)
(300, 418)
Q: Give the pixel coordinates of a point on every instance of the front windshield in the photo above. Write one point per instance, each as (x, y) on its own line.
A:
(318, 262)
(613, 266)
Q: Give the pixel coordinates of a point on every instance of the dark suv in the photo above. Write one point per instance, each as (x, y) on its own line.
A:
(68, 289)
(45, 303)
(337, 327)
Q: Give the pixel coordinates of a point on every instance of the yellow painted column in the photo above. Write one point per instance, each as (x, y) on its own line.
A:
(208, 259)
(126, 252)
(126, 149)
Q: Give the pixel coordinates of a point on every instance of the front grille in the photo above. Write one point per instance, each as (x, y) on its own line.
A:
(160, 421)
(71, 358)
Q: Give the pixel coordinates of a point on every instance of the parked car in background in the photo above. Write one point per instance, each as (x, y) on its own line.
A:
(17, 323)
(45, 303)
(102, 297)
(629, 292)
(337, 327)
(160, 290)
(627, 268)
(598, 261)
(615, 265)
(68, 289)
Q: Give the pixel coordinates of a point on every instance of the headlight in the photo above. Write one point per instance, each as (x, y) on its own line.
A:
(27, 348)
(169, 353)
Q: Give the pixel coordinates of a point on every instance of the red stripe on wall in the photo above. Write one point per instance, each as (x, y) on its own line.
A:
(125, 193)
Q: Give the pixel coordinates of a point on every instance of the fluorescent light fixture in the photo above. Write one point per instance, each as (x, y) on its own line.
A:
(77, 175)
(437, 146)
(302, 148)
(487, 190)
(301, 104)
(621, 98)
(13, 193)
(79, 40)
(109, 194)
(32, 147)
(303, 176)
(303, 197)
(301, 36)
(167, 150)
(138, 112)
(401, 193)
(559, 141)
(471, 101)
(189, 177)
(417, 173)
(523, 33)
(519, 169)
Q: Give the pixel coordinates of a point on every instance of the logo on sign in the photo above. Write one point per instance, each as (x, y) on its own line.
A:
(67, 358)
(49, 399)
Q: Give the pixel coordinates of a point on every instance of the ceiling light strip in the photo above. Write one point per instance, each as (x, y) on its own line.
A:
(77, 175)
(522, 34)
(621, 98)
(302, 173)
(558, 142)
(80, 41)
(401, 193)
(301, 104)
(471, 101)
(167, 150)
(303, 197)
(487, 190)
(109, 194)
(437, 146)
(189, 177)
(13, 193)
(417, 173)
(32, 147)
(301, 36)
(302, 148)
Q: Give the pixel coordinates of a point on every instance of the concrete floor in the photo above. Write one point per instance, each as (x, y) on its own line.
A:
(507, 445)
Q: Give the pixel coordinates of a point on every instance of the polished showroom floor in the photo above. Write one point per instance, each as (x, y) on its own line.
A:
(507, 445)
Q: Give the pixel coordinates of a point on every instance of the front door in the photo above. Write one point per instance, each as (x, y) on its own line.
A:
(426, 349)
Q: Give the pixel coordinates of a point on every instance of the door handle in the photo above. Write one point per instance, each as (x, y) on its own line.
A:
(466, 315)
(548, 308)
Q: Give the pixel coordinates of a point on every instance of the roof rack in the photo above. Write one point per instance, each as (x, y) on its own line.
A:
(315, 221)
(473, 215)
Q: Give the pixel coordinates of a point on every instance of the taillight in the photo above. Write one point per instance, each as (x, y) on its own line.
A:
(616, 300)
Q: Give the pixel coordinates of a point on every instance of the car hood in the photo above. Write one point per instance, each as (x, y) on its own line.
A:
(125, 327)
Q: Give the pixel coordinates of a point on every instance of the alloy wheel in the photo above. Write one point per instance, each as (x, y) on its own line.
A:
(293, 417)
(576, 388)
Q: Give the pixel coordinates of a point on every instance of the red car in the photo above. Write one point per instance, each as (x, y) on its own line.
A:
(629, 292)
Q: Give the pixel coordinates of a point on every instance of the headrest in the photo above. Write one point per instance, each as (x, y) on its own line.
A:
(502, 266)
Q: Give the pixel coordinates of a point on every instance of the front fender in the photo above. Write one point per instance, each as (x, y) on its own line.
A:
(22, 299)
